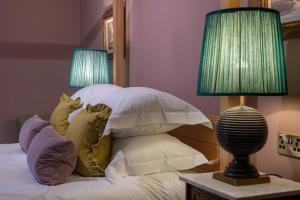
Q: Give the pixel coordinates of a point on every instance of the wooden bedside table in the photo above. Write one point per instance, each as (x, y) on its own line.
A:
(204, 187)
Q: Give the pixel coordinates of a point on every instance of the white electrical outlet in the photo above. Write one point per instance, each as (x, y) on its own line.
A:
(288, 145)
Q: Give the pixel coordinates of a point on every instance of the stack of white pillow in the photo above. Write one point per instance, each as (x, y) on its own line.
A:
(139, 121)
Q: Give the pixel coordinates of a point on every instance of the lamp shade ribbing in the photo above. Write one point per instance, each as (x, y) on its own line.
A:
(242, 54)
(89, 66)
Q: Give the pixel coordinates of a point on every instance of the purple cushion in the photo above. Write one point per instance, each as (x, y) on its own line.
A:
(29, 130)
(51, 158)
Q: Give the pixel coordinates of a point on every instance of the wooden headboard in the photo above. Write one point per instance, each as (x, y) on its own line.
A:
(204, 140)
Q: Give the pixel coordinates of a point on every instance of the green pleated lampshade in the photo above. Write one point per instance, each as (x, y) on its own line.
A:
(242, 53)
(89, 66)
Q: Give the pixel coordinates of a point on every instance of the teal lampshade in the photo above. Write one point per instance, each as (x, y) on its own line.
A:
(242, 54)
(89, 66)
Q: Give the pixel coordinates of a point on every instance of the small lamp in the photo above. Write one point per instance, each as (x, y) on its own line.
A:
(242, 55)
(89, 66)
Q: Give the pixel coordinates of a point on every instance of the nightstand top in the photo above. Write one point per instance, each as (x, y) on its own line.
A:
(279, 187)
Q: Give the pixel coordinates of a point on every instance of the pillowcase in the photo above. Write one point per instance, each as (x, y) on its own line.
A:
(51, 158)
(143, 111)
(29, 130)
(93, 95)
(135, 156)
(92, 149)
(59, 117)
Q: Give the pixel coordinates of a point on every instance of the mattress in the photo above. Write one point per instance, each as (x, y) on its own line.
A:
(17, 183)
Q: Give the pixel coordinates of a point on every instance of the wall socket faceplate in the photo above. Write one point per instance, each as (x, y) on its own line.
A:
(288, 145)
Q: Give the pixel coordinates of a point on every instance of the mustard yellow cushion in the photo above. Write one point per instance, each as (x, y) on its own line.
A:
(59, 116)
(85, 131)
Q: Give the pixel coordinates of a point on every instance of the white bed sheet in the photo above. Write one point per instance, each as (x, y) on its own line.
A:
(17, 183)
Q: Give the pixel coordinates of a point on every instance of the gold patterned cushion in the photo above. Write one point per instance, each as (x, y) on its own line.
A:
(85, 131)
(59, 116)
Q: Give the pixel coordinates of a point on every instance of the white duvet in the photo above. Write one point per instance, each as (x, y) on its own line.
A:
(17, 183)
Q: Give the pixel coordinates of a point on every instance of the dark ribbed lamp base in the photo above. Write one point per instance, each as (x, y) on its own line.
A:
(241, 131)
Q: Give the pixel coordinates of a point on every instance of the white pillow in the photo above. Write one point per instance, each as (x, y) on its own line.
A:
(135, 156)
(144, 111)
(92, 94)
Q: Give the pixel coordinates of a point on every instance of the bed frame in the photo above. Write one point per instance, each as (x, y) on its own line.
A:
(204, 140)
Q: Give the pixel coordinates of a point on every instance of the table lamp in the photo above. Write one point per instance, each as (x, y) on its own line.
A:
(89, 66)
(242, 55)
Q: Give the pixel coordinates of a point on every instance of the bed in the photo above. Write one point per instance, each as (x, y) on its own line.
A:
(16, 181)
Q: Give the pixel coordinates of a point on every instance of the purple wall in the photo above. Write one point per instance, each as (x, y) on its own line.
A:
(37, 38)
(36, 42)
(165, 42)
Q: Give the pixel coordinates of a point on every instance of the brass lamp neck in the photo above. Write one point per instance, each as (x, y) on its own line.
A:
(242, 100)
